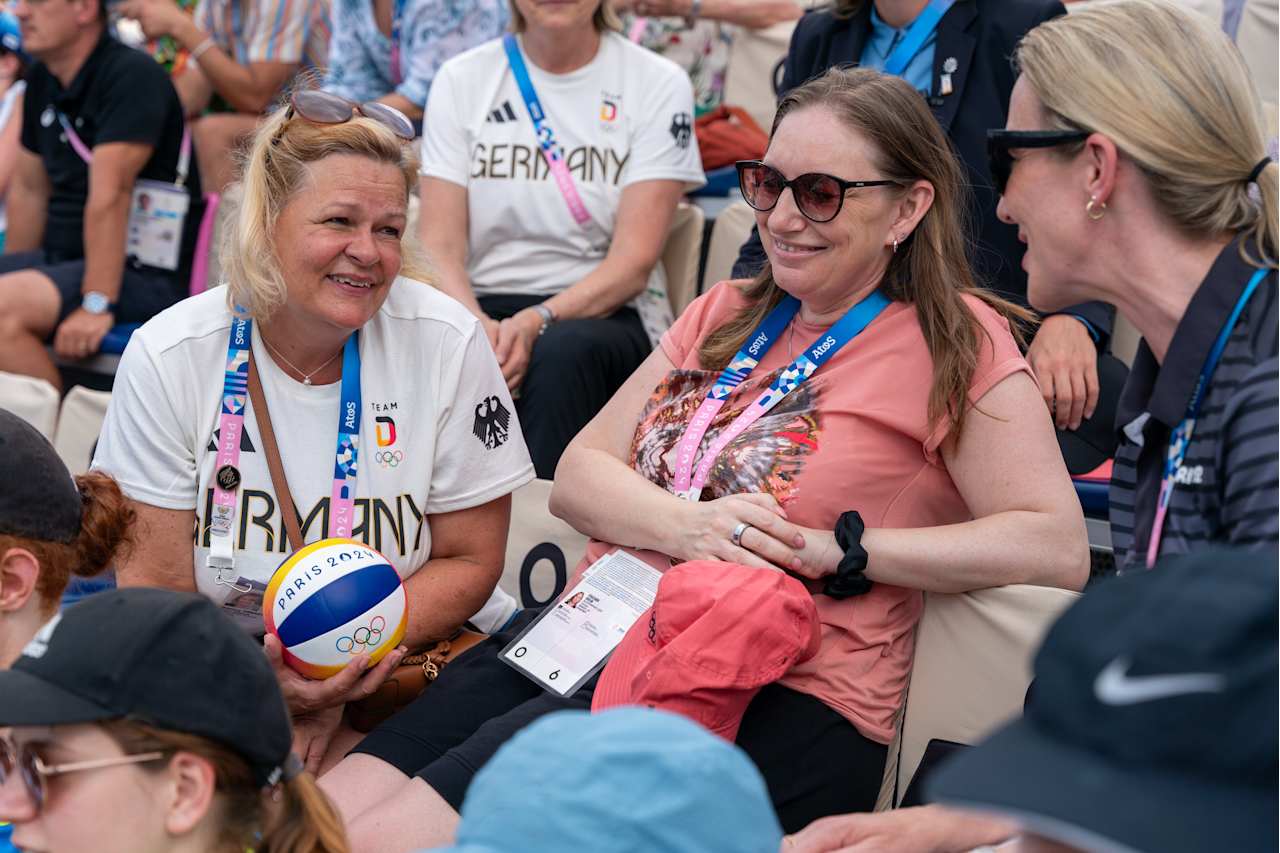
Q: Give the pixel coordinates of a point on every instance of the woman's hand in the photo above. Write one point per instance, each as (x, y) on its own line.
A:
(1065, 360)
(312, 734)
(769, 541)
(516, 337)
(306, 696)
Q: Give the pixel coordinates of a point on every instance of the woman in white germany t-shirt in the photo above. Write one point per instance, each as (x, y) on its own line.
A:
(570, 310)
(392, 421)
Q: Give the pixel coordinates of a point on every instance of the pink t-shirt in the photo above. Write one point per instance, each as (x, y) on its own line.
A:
(856, 436)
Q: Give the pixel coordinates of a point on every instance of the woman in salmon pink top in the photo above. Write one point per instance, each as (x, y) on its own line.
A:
(925, 422)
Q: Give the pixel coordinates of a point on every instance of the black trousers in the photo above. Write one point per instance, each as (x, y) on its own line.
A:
(574, 369)
(814, 762)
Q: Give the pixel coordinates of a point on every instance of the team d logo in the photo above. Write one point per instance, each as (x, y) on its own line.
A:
(681, 129)
(492, 424)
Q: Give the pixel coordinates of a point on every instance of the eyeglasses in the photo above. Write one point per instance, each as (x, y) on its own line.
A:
(818, 197)
(327, 108)
(35, 773)
(1000, 144)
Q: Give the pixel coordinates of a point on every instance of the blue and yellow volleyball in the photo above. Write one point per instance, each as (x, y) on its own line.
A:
(332, 601)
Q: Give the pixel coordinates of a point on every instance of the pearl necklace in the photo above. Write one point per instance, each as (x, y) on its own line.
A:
(306, 377)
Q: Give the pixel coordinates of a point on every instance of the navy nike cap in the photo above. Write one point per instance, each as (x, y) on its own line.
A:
(1152, 721)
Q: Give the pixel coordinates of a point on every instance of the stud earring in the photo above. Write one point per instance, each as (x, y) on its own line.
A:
(895, 244)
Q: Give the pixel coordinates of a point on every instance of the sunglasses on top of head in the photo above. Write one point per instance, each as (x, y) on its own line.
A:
(1001, 143)
(818, 197)
(320, 107)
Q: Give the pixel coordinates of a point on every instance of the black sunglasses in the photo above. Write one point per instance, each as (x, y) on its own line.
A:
(818, 197)
(1001, 142)
(327, 108)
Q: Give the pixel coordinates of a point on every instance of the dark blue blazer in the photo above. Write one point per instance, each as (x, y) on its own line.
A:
(980, 35)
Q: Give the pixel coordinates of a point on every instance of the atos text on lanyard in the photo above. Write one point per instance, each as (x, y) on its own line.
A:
(688, 483)
(226, 480)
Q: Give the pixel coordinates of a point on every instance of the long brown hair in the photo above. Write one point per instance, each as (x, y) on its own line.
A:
(931, 268)
(301, 820)
(105, 523)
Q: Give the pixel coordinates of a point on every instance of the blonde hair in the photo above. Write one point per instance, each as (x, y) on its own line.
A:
(274, 169)
(604, 18)
(931, 269)
(299, 820)
(1171, 90)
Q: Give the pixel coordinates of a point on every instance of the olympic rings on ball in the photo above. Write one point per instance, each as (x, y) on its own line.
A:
(362, 638)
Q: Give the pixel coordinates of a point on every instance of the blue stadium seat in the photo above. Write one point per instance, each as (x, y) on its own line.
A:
(116, 339)
(720, 182)
(1093, 497)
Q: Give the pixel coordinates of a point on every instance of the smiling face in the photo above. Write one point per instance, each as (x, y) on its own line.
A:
(1045, 197)
(107, 810)
(548, 15)
(338, 241)
(825, 263)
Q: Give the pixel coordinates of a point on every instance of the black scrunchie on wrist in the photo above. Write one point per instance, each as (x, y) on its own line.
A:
(849, 579)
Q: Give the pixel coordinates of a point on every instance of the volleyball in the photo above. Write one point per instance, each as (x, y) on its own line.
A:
(332, 601)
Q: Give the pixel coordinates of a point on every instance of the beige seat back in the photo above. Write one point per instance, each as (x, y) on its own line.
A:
(1124, 340)
(33, 400)
(731, 229)
(79, 423)
(542, 550)
(972, 668)
(748, 78)
(680, 256)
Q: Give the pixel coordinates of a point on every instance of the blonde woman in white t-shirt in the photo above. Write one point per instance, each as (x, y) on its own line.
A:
(562, 296)
(314, 262)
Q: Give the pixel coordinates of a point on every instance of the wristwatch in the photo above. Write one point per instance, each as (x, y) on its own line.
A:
(96, 303)
(548, 316)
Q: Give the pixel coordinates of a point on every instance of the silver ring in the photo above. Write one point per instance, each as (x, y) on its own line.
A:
(736, 536)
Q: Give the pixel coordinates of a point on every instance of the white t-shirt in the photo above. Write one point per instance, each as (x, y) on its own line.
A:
(430, 440)
(626, 116)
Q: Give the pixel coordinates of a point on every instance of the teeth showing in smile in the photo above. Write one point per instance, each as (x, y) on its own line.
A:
(350, 282)
(792, 247)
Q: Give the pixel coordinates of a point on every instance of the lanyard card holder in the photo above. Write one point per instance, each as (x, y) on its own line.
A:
(569, 643)
(157, 210)
(157, 215)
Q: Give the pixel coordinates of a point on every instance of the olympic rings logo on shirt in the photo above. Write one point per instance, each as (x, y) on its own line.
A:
(363, 637)
(389, 458)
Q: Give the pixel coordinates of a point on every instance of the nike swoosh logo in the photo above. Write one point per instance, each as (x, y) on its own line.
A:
(1114, 686)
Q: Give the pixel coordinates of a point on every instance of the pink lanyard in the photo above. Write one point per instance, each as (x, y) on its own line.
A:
(689, 483)
(86, 153)
(546, 137)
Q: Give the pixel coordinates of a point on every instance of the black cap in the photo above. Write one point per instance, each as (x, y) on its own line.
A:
(1094, 442)
(1152, 721)
(168, 659)
(38, 497)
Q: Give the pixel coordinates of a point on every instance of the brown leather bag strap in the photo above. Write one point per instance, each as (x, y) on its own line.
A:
(272, 451)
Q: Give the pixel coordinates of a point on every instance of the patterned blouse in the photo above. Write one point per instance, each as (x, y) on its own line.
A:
(431, 31)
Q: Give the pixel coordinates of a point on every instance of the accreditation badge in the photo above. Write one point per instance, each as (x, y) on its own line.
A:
(156, 217)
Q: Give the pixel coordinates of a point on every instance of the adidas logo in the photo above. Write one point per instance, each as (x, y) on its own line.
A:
(502, 114)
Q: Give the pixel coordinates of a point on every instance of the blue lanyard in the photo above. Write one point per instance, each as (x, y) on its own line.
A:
(545, 135)
(342, 500)
(917, 34)
(1180, 438)
(688, 482)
